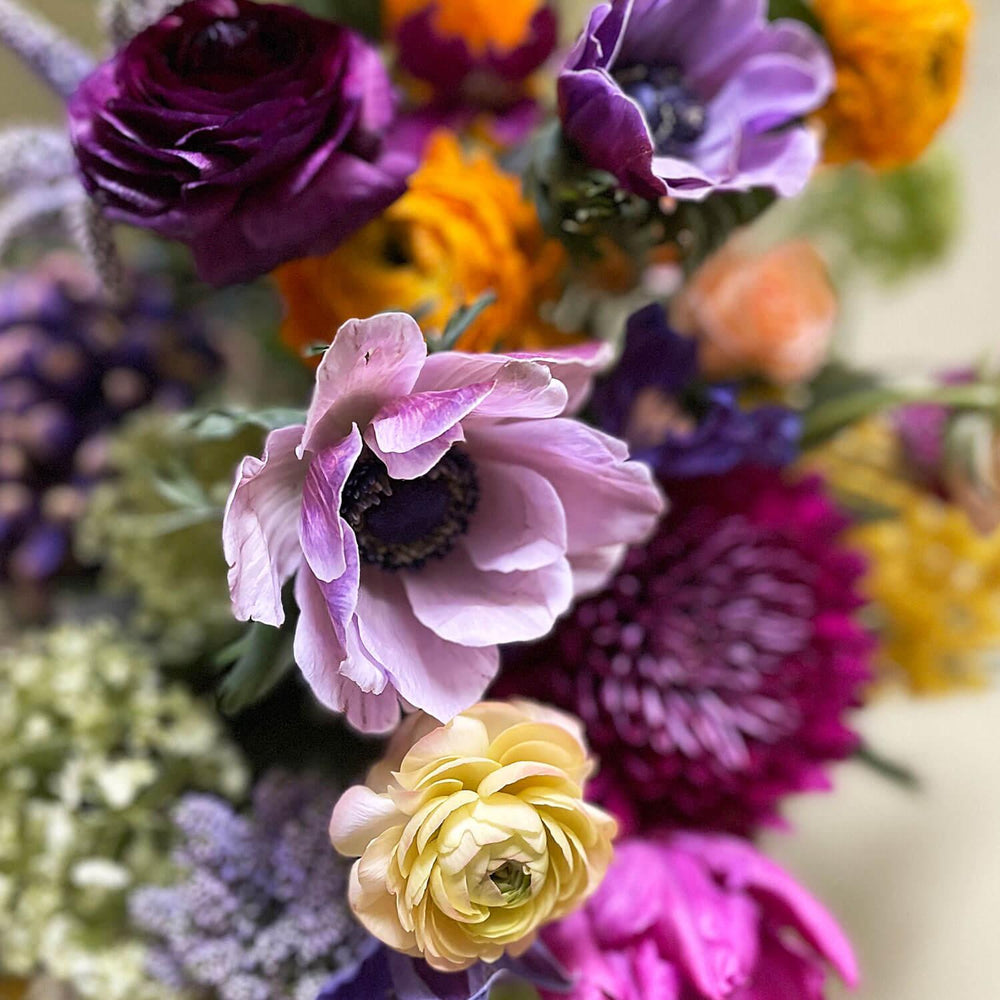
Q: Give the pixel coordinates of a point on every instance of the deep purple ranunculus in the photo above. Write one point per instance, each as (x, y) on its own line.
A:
(686, 97)
(654, 401)
(254, 133)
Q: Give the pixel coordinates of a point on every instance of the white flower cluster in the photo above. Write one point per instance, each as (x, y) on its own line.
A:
(94, 749)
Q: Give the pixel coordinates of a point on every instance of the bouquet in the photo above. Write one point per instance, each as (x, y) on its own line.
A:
(439, 523)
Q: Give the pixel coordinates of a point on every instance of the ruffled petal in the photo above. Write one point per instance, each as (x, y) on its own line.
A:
(321, 529)
(519, 523)
(369, 363)
(607, 499)
(429, 672)
(465, 605)
(259, 538)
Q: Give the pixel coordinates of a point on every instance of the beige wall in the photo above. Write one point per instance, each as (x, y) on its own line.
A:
(916, 878)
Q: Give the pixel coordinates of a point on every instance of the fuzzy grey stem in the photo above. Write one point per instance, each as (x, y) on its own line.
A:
(124, 19)
(58, 60)
(32, 156)
(28, 205)
(94, 236)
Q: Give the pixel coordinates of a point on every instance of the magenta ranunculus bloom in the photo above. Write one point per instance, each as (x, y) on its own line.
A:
(686, 97)
(429, 509)
(699, 917)
(254, 133)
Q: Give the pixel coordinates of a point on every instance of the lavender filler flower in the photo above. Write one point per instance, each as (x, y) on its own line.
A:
(683, 97)
(261, 910)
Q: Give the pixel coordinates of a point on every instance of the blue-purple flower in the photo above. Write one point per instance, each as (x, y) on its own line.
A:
(681, 427)
(686, 97)
(386, 973)
(260, 909)
(254, 133)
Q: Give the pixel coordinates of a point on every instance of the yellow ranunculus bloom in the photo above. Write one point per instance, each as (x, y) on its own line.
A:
(481, 24)
(473, 835)
(900, 66)
(463, 228)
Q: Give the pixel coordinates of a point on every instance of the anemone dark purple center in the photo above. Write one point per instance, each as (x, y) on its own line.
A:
(676, 115)
(230, 52)
(690, 652)
(402, 523)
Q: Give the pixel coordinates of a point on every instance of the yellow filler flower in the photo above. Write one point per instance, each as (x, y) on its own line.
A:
(900, 66)
(936, 582)
(473, 835)
(463, 228)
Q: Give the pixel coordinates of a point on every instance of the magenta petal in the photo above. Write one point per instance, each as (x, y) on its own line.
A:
(475, 608)
(784, 900)
(519, 523)
(258, 531)
(369, 363)
(321, 530)
(430, 673)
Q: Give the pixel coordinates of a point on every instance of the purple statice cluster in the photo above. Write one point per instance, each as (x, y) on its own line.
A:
(259, 911)
(71, 367)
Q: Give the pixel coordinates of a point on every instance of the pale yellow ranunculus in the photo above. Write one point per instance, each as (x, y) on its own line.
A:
(472, 835)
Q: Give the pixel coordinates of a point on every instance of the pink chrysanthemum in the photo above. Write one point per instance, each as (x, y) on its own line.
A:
(714, 671)
(699, 917)
(430, 508)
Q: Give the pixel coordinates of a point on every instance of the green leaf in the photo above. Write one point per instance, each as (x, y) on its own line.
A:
(264, 656)
(700, 228)
(797, 10)
(460, 321)
(361, 15)
(226, 423)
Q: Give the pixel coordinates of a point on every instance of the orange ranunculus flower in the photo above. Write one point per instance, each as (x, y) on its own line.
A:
(482, 24)
(463, 228)
(900, 65)
(771, 315)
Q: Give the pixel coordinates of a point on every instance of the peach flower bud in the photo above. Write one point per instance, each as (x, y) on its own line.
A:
(473, 835)
(771, 315)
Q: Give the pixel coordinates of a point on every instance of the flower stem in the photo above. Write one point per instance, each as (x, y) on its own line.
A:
(58, 60)
(830, 417)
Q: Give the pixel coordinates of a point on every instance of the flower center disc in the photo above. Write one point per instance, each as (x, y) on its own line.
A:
(402, 523)
(513, 880)
(676, 115)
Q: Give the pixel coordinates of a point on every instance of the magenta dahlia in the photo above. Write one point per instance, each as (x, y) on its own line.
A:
(714, 672)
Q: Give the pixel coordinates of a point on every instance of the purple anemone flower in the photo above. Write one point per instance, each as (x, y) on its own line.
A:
(429, 509)
(254, 133)
(686, 97)
(696, 917)
(653, 401)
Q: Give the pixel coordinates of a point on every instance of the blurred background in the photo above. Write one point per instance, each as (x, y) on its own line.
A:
(914, 876)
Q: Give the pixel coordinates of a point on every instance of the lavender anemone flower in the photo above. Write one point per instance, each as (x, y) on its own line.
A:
(254, 133)
(654, 401)
(686, 97)
(429, 509)
(696, 917)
